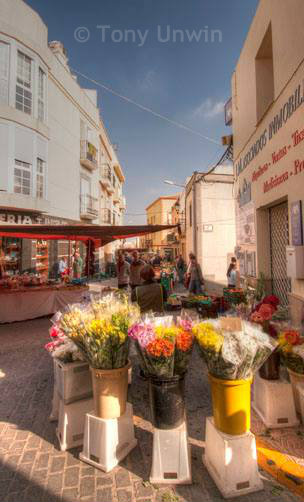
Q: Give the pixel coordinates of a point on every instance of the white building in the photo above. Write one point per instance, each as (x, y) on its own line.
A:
(210, 221)
(57, 163)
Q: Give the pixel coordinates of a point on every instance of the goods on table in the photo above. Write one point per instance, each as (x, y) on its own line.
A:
(100, 330)
(192, 301)
(234, 296)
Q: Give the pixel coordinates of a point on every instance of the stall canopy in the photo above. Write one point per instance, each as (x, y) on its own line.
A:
(100, 235)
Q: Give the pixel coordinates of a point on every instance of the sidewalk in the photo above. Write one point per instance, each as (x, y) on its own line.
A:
(32, 468)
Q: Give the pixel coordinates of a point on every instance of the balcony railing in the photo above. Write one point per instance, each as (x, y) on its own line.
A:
(88, 207)
(117, 196)
(88, 155)
(106, 176)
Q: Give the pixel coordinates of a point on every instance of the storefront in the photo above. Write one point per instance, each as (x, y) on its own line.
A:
(268, 135)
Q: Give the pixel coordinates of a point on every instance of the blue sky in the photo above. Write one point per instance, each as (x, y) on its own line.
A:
(186, 81)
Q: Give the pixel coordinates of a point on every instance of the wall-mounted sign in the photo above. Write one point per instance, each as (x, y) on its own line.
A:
(228, 112)
(296, 223)
(207, 228)
(245, 224)
(244, 195)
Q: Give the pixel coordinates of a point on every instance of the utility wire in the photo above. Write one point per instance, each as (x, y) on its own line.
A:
(145, 108)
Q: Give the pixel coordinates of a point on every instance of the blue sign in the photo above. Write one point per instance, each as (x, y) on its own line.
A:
(296, 223)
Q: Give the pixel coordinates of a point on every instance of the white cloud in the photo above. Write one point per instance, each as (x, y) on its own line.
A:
(209, 108)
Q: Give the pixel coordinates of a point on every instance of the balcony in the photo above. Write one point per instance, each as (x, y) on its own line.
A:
(106, 216)
(117, 196)
(88, 155)
(88, 207)
(122, 203)
(106, 176)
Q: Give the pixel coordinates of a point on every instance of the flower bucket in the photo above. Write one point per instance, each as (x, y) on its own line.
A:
(295, 380)
(110, 389)
(270, 370)
(231, 405)
(167, 402)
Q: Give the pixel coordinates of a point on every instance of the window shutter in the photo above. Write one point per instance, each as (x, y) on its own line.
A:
(4, 72)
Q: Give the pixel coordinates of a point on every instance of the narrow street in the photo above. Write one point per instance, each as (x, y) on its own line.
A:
(34, 469)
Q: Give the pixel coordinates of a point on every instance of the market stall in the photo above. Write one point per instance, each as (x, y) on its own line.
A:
(29, 294)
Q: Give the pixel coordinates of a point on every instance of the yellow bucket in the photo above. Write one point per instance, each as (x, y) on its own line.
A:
(231, 405)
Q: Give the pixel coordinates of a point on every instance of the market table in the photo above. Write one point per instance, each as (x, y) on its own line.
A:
(30, 303)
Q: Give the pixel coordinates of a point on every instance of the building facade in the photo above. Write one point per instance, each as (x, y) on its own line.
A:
(210, 221)
(160, 213)
(268, 133)
(54, 148)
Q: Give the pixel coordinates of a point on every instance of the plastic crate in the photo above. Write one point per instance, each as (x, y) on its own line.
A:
(73, 381)
(71, 421)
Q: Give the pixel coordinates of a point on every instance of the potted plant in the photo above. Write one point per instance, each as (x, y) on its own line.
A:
(164, 349)
(233, 351)
(292, 350)
(100, 330)
(263, 314)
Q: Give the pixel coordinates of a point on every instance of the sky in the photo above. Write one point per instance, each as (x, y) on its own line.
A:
(133, 46)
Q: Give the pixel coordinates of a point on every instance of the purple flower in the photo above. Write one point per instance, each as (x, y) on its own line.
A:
(186, 324)
(143, 333)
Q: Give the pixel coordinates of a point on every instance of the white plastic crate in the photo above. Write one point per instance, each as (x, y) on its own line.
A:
(231, 461)
(108, 441)
(70, 431)
(73, 381)
(55, 405)
(171, 459)
(274, 403)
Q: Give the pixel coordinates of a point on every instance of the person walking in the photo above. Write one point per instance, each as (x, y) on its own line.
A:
(233, 275)
(123, 272)
(180, 268)
(151, 295)
(62, 267)
(77, 266)
(135, 269)
(195, 276)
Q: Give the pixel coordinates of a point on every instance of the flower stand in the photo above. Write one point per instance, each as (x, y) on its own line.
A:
(273, 401)
(73, 380)
(108, 441)
(171, 458)
(70, 431)
(231, 461)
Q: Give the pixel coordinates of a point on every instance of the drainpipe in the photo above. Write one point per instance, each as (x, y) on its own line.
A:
(194, 213)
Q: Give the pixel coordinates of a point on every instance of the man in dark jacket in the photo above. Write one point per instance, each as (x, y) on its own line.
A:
(150, 295)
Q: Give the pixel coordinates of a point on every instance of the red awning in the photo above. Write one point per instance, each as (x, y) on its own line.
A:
(101, 235)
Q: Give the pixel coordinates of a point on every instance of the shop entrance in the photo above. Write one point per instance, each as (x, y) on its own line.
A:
(279, 239)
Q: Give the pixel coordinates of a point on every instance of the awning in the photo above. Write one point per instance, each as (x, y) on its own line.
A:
(101, 235)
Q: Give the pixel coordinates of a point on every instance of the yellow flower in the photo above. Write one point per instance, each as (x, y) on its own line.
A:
(208, 337)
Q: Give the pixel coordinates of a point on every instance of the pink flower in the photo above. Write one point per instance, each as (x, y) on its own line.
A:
(186, 324)
(266, 311)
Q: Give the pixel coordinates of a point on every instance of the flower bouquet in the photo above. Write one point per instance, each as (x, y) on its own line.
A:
(62, 348)
(100, 331)
(292, 351)
(164, 347)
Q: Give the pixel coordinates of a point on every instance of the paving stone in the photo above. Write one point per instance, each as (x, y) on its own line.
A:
(33, 442)
(39, 476)
(122, 479)
(124, 496)
(28, 456)
(57, 464)
(15, 497)
(17, 446)
(71, 477)
(22, 435)
(42, 461)
(87, 471)
(72, 460)
(143, 491)
(54, 483)
(13, 460)
(87, 486)
(104, 480)
(104, 495)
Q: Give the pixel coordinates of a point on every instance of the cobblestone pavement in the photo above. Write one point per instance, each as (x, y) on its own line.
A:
(32, 468)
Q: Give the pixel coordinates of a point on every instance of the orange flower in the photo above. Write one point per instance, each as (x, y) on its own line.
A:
(292, 337)
(184, 341)
(266, 311)
(160, 347)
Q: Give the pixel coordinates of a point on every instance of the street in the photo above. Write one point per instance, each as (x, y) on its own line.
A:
(34, 469)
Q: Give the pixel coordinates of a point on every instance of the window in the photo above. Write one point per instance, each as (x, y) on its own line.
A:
(41, 95)
(190, 215)
(22, 177)
(40, 177)
(264, 75)
(4, 72)
(24, 84)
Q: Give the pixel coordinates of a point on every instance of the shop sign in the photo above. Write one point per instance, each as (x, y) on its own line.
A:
(296, 223)
(245, 224)
(30, 219)
(244, 195)
(207, 228)
(277, 122)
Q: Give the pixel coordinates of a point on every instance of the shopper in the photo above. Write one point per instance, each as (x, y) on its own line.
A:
(135, 269)
(123, 272)
(2, 263)
(77, 266)
(62, 266)
(194, 276)
(233, 275)
(180, 268)
(151, 295)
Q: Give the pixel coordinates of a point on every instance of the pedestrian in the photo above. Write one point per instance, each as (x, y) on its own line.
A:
(157, 260)
(77, 265)
(123, 272)
(62, 267)
(151, 295)
(180, 268)
(128, 258)
(2, 263)
(135, 269)
(233, 275)
(194, 276)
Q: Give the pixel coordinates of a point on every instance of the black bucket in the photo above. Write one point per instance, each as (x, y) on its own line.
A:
(270, 370)
(167, 402)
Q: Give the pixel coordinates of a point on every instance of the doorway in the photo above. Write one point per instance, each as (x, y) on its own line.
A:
(279, 239)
